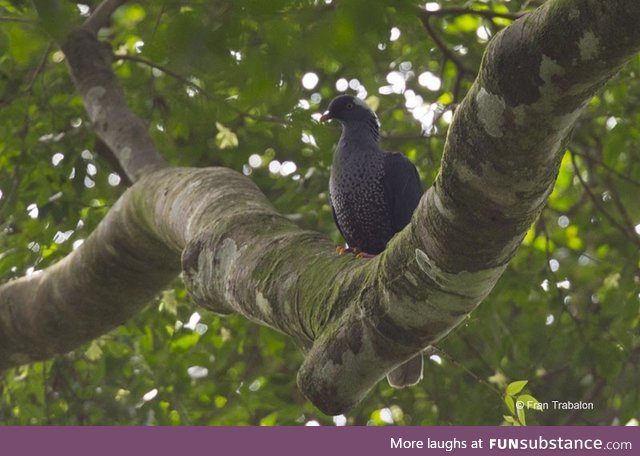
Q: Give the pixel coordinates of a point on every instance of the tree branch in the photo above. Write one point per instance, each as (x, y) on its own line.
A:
(626, 231)
(125, 133)
(19, 20)
(101, 15)
(118, 269)
(462, 11)
(357, 319)
(188, 83)
(447, 55)
(507, 137)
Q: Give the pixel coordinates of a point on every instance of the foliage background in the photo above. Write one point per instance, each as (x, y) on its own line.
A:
(221, 84)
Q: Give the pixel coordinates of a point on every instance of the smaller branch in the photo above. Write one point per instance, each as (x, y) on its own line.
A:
(401, 137)
(487, 14)
(560, 294)
(624, 230)
(104, 151)
(447, 55)
(472, 347)
(610, 169)
(157, 24)
(468, 371)
(458, 83)
(38, 69)
(17, 19)
(187, 82)
(101, 15)
(165, 70)
(446, 52)
(27, 90)
(24, 131)
(90, 64)
(617, 201)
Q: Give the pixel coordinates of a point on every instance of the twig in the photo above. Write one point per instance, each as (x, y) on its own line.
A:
(32, 78)
(469, 372)
(187, 82)
(561, 294)
(617, 201)
(447, 55)
(38, 69)
(165, 70)
(446, 52)
(625, 232)
(24, 131)
(16, 19)
(607, 167)
(487, 14)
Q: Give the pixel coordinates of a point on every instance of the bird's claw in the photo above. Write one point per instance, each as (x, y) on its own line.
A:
(340, 250)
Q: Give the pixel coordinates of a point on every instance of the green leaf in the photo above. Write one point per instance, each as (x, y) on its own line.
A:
(510, 404)
(225, 139)
(94, 352)
(511, 420)
(514, 388)
(611, 281)
(521, 414)
(168, 302)
(184, 342)
(220, 401)
(529, 401)
(269, 420)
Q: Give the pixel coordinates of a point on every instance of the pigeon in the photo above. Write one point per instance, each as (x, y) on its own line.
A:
(372, 194)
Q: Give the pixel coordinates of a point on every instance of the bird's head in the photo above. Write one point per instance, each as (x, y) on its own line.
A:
(347, 108)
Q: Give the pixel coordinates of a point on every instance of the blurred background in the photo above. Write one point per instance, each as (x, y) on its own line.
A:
(241, 84)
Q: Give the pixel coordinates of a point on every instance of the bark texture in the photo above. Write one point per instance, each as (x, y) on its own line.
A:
(119, 268)
(357, 319)
(124, 132)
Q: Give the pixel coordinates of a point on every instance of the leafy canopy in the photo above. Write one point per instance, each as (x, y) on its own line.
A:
(237, 84)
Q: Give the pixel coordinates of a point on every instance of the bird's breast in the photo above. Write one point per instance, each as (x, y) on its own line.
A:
(358, 199)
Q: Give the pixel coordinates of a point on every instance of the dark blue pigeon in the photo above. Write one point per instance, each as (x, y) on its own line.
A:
(372, 193)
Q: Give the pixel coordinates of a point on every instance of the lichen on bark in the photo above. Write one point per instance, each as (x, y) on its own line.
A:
(356, 319)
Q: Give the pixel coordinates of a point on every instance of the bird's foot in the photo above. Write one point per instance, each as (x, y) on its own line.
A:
(340, 250)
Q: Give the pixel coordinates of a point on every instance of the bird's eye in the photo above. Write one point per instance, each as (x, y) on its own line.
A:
(349, 105)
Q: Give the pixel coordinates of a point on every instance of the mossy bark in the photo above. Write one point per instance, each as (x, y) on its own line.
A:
(356, 319)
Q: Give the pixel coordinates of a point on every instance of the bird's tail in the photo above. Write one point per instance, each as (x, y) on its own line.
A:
(407, 374)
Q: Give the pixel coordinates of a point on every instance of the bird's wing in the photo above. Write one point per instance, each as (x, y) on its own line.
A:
(402, 188)
(335, 218)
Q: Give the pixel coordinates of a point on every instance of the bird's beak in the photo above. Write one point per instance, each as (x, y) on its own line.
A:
(326, 116)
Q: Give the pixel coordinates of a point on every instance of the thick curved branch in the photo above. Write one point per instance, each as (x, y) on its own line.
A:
(118, 269)
(501, 159)
(357, 319)
(507, 137)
